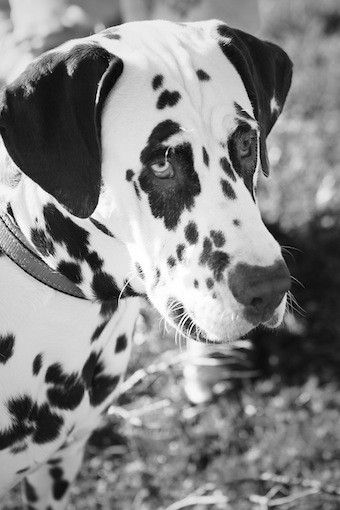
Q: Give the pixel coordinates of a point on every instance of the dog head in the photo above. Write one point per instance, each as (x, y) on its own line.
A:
(158, 129)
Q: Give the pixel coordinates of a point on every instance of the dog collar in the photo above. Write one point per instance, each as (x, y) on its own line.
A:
(14, 244)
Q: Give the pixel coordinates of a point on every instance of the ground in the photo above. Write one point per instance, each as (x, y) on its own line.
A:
(270, 437)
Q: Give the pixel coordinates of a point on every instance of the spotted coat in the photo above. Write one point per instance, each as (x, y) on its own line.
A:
(130, 164)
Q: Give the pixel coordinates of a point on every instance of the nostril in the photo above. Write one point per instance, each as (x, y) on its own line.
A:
(256, 303)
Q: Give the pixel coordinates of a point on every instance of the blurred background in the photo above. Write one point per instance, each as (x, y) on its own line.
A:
(256, 426)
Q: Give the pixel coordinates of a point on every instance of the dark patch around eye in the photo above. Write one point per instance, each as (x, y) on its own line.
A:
(225, 165)
(162, 132)
(129, 175)
(180, 250)
(202, 75)
(168, 98)
(71, 270)
(191, 233)
(228, 190)
(206, 158)
(218, 238)
(244, 167)
(157, 82)
(169, 201)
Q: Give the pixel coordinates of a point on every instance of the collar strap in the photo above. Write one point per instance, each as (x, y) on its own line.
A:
(14, 244)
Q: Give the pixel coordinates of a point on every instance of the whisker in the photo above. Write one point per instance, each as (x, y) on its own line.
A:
(297, 281)
(127, 282)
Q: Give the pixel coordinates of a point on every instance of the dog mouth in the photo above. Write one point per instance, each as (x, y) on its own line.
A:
(187, 327)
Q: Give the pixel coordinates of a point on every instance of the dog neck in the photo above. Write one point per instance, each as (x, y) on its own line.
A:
(83, 250)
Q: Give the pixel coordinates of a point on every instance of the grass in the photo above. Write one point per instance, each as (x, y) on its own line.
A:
(270, 441)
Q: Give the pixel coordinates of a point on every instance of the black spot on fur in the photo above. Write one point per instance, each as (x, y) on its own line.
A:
(101, 227)
(202, 75)
(121, 343)
(191, 233)
(30, 492)
(228, 190)
(98, 331)
(53, 462)
(23, 470)
(105, 287)
(218, 262)
(110, 33)
(43, 244)
(99, 384)
(71, 270)
(210, 283)
(6, 347)
(168, 98)
(207, 249)
(37, 364)
(237, 223)
(64, 231)
(140, 271)
(196, 284)
(60, 485)
(66, 391)
(29, 420)
(168, 199)
(206, 158)
(129, 175)
(171, 262)
(157, 82)
(157, 276)
(137, 191)
(48, 424)
(88, 369)
(94, 261)
(225, 165)
(180, 251)
(218, 238)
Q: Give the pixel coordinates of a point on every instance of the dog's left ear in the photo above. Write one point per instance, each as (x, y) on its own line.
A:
(50, 121)
(266, 72)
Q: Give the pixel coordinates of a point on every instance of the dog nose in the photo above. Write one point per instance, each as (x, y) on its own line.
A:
(260, 289)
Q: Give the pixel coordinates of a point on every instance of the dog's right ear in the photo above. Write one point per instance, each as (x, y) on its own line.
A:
(50, 121)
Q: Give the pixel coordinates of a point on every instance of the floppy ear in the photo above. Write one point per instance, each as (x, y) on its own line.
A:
(266, 72)
(50, 122)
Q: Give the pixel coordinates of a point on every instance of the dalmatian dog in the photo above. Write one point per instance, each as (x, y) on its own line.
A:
(131, 164)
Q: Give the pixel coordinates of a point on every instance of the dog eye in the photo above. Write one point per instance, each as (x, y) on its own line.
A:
(163, 169)
(245, 146)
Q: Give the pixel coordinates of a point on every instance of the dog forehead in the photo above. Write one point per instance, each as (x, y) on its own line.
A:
(172, 71)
